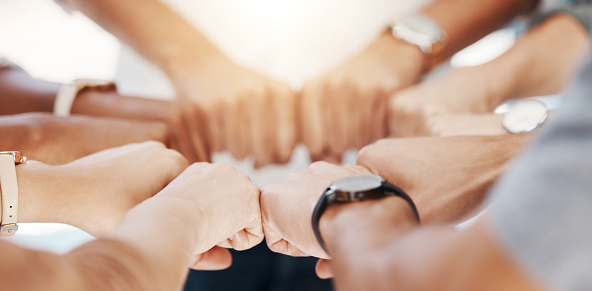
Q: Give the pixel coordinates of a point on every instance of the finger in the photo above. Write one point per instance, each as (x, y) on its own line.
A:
(184, 141)
(324, 269)
(313, 133)
(216, 258)
(233, 127)
(286, 125)
(378, 122)
(263, 125)
(199, 132)
(192, 135)
(337, 118)
(364, 120)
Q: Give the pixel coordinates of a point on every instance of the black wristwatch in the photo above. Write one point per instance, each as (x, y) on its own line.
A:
(354, 189)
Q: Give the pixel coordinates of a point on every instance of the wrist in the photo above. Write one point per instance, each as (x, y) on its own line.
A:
(365, 222)
(401, 51)
(501, 78)
(43, 191)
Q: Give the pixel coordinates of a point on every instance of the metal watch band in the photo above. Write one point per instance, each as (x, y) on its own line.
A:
(9, 191)
(389, 190)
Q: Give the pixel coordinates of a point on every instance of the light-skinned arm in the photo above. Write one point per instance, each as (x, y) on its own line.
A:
(347, 106)
(248, 113)
(152, 246)
(540, 63)
(447, 178)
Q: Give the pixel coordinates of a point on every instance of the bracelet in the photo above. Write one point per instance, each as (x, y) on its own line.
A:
(9, 191)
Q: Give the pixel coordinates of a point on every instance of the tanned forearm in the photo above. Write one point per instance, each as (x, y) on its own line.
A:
(20, 93)
(151, 28)
(466, 21)
(375, 245)
(552, 53)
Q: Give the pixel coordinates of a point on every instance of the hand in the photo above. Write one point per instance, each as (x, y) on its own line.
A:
(346, 107)
(287, 207)
(59, 140)
(247, 112)
(465, 90)
(228, 202)
(185, 122)
(447, 178)
(465, 124)
(94, 192)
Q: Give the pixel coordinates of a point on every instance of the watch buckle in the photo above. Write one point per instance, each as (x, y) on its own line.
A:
(8, 229)
(19, 158)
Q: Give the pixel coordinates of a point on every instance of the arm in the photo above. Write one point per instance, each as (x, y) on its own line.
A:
(386, 251)
(540, 63)
(60, 140)
(447, 178)
(358, 90)
(248, 113)
(185, 126)
(154, 243)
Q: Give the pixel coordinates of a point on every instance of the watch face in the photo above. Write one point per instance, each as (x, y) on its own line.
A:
(525, 115)
(358, 183)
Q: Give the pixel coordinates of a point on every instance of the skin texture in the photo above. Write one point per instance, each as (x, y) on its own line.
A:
(248, 113)
(541, 63)
(77, 193)
(447, 178)
(59, 140)
(136, 254)
(184, 124)
(287, 206)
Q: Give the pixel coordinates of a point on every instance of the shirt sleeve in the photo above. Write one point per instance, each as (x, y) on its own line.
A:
(542, 208)
(102, 264)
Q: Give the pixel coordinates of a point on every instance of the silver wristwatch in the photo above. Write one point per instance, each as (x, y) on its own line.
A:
(420, 30)
(525, 115)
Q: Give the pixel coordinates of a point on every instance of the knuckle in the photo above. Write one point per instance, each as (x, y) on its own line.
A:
(318, 165)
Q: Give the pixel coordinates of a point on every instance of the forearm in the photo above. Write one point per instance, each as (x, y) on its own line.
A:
(466, 21)
(379, 252)
(166, 239)
(21, 93)
(156, 31)
(552, 54)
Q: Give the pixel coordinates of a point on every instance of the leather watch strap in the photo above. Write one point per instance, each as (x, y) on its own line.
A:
(68, 93)
(396, 191)
(388, 190)
(9, 191)
(316, 217)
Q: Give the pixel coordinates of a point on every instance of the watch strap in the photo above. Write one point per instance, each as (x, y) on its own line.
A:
(389, 190)
(65, 99)
(68, 93)
(396, 191)
(9, 192)
(316, 217)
